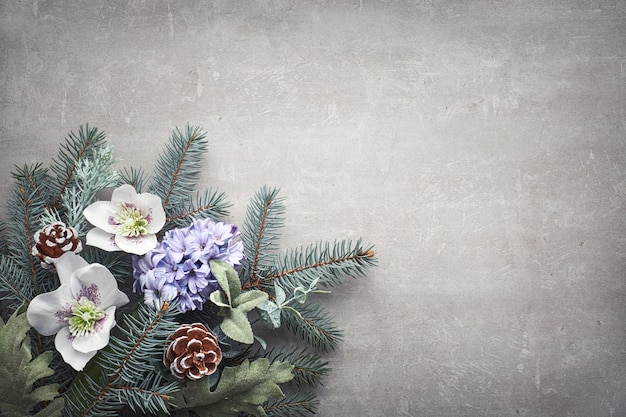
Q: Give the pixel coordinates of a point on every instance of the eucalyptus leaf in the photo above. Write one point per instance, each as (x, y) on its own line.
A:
(294, 311)
(261, 341)
(279, 293)
(299, 294)
(270, 314)
(313, 283)
(320, 292)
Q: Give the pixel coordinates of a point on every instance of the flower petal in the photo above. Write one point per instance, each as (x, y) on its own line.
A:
(103, 240)
(98, 284)
(100, 338)
(76, 359)
(99, 213)
(67, 264)
(47, 311)
(124, 194)
(138, 245)
(157, 214)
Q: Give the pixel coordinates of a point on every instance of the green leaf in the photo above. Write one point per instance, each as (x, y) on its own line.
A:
(227, 278)
(270, 314)
(18, 372)
(217, 298)
(300, 294)
(237, 327)
(234, 303)
(281, 296)
(236, 324)
(53, 409)
(248, 300)
(241, 389)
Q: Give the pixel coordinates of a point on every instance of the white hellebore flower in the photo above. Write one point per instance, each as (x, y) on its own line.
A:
(129, 222)
(81, 311)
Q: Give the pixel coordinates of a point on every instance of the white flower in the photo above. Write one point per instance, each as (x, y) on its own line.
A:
(129, 222)
(81, 311)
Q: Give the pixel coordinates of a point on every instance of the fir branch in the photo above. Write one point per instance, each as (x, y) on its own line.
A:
(332, 264)
(133, 176)
(261, 231)
(128, 368)
(68, 158)
(63, 372)
(150, 397)
(26, 206)
(293, 404)
(92, 174)
(33, 179)
(3, 237)
(209, 203)
(308, 367)
(314, 326)
(15, 286)
(179, 166)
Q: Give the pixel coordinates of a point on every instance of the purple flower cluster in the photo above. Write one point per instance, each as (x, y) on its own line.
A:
(179, 265)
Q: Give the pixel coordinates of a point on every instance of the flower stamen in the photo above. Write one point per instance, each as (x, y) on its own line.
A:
(85, 315)
(130, 221)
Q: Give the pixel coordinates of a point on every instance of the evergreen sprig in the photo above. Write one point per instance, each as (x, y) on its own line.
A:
(91, 175)
(3, 237)
(71, 153)
(125, 372)
(135, 177)
(261, 231)
(26, 206)
(179, 166)
(314, 326)
(200, 205)
(330, 263)
(127, 377)
(308, 368)
(15, 286)
(298, 404)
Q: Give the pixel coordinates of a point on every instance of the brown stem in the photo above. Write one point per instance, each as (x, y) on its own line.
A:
(166, 200)
(254, 280)
(29, 243)
(330, 261)
(124, 361)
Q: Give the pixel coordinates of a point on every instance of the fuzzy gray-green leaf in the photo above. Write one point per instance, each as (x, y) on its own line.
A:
(241, 389)
(18, 372)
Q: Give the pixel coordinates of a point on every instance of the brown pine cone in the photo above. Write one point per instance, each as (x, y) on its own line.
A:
(194, 352)
(53, 241)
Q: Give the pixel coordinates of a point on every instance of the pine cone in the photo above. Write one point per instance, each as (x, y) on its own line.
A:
(194, 352)
(53, 241)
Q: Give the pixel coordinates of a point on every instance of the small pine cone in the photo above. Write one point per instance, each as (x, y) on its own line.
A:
(193, 353)
(53, 241)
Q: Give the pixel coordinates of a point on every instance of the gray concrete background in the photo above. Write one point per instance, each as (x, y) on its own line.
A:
(479, 144)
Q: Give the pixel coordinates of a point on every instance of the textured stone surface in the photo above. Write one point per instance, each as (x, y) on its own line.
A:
(479, 144)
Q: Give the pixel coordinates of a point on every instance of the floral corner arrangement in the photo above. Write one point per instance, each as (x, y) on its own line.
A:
(125, 294)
